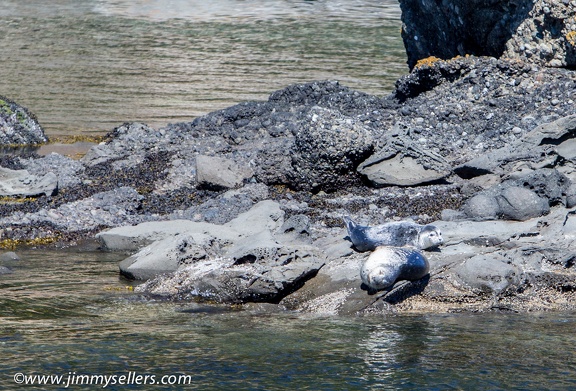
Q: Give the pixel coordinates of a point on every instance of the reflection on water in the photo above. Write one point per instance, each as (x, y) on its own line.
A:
(90, 65)
(362, 10)
(64, 312)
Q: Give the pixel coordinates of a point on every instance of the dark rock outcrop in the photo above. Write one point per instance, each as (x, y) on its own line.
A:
(495, 134)
(542, 32)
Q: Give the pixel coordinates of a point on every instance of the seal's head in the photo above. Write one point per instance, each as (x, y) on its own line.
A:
(380, 278)
(430, 237)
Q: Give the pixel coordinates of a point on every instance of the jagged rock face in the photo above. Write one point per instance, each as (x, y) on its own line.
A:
(543, 32)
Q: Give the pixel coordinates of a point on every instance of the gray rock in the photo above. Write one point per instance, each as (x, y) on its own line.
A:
(217, 173)
(518, 203)
(5, 270)
(452, 215)
(67, 170)
(485, 232)
(571, 196)
(167, 255)
(254, 249)
(297, 224)
(547, 183)
(22, 183)
(482, 206)
(488, 274)
(224, 207)
(401, 163)
(18, 126)
(131, 238)
(267, 280)
(9, 256)
(535, 149)
(265, 215)
(128, 142)
(328, 147)
(110, 208)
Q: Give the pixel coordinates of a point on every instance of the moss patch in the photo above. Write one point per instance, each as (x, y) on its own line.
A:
(427, 62)
(13, 244)
(571, 38)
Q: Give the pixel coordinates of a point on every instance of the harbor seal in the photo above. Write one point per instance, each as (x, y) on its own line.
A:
(397, 234)
(386, 265)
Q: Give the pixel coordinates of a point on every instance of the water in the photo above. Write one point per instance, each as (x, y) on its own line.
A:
(69, 313)
(89, 65)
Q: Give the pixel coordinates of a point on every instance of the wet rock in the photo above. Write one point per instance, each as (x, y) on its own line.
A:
(167, 255)
(268, 280)
(214, 172)
(5, 270)
(18, 126)
(23, 184)
(9, 256)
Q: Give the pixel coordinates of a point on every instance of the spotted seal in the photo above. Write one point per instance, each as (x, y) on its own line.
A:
(398, 234)
(386, 265)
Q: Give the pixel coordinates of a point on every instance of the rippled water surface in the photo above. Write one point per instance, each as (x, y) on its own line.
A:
(90, 65)
(69, 313)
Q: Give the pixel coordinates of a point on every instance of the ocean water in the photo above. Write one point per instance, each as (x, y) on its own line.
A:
(69, 315)
(87, 66)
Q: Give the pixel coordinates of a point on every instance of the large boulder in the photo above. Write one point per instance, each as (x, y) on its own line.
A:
(18, 126)
(487, 274)
(265, 279)
(327, 149)
(167, 255)
(402, 162)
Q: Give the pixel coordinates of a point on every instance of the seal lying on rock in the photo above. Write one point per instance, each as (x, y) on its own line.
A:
(386, 265)
(397, 234)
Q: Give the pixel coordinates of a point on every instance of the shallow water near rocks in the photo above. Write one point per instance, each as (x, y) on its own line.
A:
(90, 65)
(69, 313)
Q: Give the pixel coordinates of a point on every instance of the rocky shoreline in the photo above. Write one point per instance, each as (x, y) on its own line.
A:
(245, 205)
